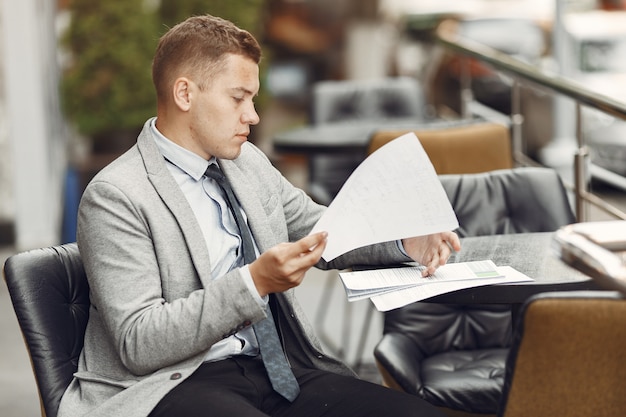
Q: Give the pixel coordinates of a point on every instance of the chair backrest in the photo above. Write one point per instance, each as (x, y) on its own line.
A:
(435, 328)
(50, 296)
(518, 200)
(469, 148)
(568, 357)
(385, 98)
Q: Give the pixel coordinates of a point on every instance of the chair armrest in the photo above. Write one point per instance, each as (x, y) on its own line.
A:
(400, 358)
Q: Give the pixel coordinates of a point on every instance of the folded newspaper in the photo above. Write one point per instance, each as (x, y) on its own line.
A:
(596, 249)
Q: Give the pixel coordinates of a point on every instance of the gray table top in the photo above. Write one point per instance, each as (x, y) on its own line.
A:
(533, 254)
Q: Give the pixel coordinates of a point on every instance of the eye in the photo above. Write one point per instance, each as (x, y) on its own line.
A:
(238, 99)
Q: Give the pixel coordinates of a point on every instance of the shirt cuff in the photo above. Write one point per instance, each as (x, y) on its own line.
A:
(401, 247)
(247, 278)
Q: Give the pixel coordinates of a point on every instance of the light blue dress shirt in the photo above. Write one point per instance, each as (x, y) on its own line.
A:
(219, 229)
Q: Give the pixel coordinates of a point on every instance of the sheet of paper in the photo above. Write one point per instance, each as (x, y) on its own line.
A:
(393, 194)
(396, 299)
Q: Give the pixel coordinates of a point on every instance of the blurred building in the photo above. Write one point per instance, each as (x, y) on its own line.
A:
(31, 137)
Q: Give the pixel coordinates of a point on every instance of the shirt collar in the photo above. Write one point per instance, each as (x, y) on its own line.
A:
(192, 164)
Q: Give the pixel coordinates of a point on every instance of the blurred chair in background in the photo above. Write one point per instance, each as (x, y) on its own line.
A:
(454, 355)
(50, 296)
(567, 357)
(372, 102)
(477, 146)
(367, 100)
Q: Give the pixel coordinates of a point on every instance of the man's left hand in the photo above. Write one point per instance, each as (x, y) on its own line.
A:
(432, 251)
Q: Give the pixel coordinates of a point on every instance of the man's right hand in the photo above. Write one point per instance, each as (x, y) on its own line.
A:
(283, 266)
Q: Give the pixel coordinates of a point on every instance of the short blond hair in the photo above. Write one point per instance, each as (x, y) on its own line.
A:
(196, 48)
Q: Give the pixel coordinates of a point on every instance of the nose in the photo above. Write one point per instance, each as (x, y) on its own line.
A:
(250, 116)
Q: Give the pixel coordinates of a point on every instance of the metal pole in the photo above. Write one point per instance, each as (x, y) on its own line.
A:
(466, 87)
(517, 118)
(580, 168)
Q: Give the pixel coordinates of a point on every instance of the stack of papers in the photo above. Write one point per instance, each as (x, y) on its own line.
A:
(390, 288)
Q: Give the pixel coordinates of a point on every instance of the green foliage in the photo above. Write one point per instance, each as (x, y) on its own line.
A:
(247, 14)
(108, 85)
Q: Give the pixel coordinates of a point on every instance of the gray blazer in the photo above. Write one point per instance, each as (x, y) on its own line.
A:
(155, 309)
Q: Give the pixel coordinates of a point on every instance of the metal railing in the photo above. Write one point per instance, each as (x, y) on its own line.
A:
(520, 72)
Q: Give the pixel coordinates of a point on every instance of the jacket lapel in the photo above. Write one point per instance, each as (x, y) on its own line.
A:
(172, 196)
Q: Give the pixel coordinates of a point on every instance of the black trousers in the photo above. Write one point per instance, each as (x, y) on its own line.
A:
(240, 387)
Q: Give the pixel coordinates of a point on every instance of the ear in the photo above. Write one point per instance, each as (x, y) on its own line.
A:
(182, 93)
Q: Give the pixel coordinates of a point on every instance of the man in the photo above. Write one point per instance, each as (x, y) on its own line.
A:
(176, 301)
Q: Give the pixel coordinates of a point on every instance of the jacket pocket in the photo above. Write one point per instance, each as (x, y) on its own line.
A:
(91, 377)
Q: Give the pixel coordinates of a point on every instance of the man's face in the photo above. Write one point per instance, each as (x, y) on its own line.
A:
(222, 114)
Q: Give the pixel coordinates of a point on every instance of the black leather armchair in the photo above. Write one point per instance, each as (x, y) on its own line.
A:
(454, 355)
(50, 296)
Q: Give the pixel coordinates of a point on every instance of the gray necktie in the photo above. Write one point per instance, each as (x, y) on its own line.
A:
(280, 374)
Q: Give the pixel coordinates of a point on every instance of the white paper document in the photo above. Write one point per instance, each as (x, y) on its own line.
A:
(365, 284)
(394, 194)
(390, 288)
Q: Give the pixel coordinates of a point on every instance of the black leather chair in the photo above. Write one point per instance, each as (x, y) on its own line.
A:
(567, 357)
(50, 296)
(454, 355)
(518, 200)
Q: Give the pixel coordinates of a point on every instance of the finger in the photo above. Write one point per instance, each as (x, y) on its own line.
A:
(444, 253)
(440, 257)
(432, 265)
(452, 239)
(314, 254)
(310, 243)
(430, 269)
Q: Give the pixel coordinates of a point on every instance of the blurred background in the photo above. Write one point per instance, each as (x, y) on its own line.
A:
(75, 89)
(76, 83)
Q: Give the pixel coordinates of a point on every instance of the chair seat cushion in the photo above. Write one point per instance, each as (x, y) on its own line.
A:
(469, 380)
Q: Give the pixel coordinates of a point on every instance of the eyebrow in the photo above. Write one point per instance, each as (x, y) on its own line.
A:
(244, 90)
